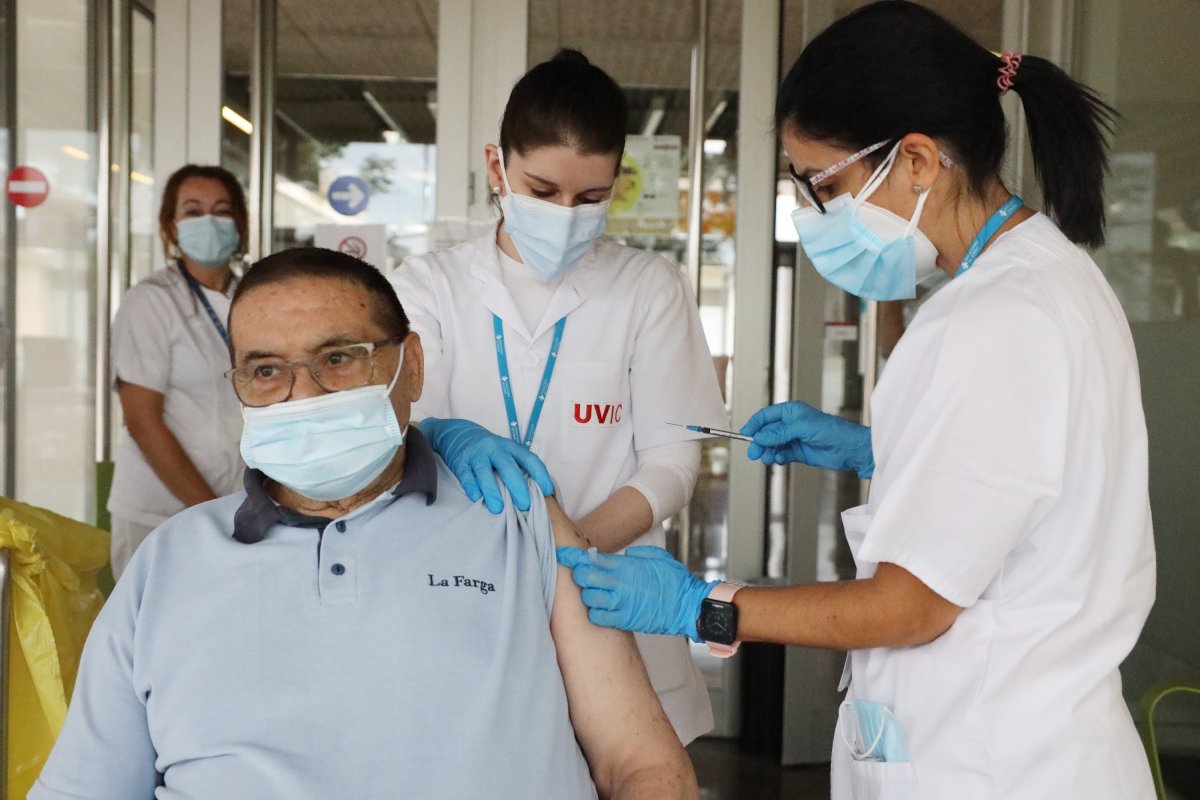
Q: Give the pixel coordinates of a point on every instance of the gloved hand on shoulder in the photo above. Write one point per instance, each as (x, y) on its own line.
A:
(477, 457)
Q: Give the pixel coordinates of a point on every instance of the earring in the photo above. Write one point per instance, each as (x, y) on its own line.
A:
(495, 190)
(917, 189)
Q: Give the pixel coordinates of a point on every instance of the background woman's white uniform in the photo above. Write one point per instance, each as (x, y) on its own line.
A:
(633, 358)
(1011, 477)
(164, 340)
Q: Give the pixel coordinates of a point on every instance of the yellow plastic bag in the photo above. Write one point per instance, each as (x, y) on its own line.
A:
(53, 562)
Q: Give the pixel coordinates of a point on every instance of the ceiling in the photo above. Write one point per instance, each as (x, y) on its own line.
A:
(641, 44)
(328, 54)
(392, 39)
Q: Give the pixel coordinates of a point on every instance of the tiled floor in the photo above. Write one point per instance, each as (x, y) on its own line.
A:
(726, 773)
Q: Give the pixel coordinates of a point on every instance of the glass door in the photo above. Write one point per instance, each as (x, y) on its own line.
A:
(1143, 60)
(143, 215)
(353, 104)
(8, 247)
(52, 271)
(127, 220)
(76, 145)
(355, 122)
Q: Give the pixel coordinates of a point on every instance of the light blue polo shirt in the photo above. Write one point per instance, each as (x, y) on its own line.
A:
(402, 652)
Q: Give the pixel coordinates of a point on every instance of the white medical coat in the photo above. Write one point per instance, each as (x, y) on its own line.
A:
(633, 357)
(1011, 478)
(164, 340)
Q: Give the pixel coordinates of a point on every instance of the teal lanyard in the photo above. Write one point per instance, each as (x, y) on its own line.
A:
(987, 232)
(514, 427)
(196, 290)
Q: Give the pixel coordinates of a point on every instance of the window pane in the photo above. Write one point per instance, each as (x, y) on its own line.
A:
(355, 127)
(237, 23)
(1142, 59)
(55, 262)
(143, 216)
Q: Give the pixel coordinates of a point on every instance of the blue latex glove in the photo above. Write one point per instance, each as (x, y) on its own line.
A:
(646, 590)
(476, 456)
(789, 432)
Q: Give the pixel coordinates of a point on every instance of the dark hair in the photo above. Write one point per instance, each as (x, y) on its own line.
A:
(317, 262)
(565, 101)
(170, 198)
(894, 68)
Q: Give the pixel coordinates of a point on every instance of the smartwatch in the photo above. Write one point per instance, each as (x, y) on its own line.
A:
(718, 621)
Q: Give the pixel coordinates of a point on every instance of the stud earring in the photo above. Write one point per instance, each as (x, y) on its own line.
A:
(495, 190)
(917, 189)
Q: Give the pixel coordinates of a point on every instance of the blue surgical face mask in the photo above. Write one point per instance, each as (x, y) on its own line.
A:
(872, 733)
(550, 238)
(210, 241)
(327, 447)
(866, 250)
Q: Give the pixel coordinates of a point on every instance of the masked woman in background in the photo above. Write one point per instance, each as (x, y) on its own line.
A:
(169, 352)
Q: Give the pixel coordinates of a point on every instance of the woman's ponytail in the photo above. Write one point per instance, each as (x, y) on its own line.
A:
(1068, 127)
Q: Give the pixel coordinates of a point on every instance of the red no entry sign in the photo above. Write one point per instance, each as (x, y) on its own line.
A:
(27, 186)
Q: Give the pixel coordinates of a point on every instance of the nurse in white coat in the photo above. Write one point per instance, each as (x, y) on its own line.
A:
(570, 345)
(1005, 558)
(169, 353)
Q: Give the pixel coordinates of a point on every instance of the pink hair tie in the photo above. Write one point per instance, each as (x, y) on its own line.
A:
(1008, 70)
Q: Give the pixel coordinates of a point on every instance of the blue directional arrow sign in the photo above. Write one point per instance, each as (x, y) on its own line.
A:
(349, 195)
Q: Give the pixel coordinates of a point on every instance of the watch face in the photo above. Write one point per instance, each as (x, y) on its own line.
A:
(718, 622)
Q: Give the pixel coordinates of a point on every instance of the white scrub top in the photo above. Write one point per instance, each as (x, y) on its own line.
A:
(1011, 478)
(633, 358)
(164, 340)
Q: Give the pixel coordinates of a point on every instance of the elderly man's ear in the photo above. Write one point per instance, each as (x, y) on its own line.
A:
(412, 381)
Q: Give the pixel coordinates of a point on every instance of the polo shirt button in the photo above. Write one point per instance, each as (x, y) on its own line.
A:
(337, 569)
(341, 526)
(533, 359)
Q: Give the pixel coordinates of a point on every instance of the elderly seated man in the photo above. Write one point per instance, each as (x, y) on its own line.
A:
(352, 625)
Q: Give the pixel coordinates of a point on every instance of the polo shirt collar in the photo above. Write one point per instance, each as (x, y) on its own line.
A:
(258, 512)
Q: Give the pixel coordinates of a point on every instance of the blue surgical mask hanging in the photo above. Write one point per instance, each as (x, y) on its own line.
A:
(550, 238)
(327, 447)
(866, 250)
(874, 733)
(210, 241)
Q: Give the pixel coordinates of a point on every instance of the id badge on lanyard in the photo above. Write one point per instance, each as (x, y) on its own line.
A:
(212, 315)
(514, 426)
(987, 232)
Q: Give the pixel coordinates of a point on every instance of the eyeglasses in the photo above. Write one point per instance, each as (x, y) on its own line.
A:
(270, 381)
(807, 186)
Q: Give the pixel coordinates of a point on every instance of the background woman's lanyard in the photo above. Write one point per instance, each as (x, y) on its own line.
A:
(514, 427)
(987, 231)
(196, 290)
